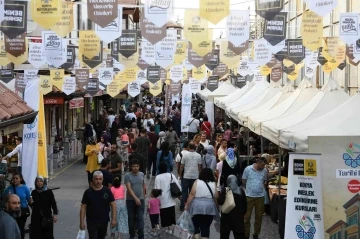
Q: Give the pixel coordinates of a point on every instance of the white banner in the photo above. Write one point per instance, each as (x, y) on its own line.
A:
(322, 7)
(165, 49)
(209, 110)
(187, 64)
(278, 47)
(304, 204)
(186, 98)
(349, 27)
(56, 60)
(36, 56)
(238, 27)
(30, 135)
(69, 85)
(158, 12)
(147, 51)
(113, 30)
(195, 85)
(134, 88)
(106, 75)
(52, 43)
(262, 53)
(176, 73)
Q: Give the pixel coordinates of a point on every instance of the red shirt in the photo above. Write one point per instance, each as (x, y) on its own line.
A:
(206, 127)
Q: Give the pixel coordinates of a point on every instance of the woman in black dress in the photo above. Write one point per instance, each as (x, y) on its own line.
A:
(44, 211)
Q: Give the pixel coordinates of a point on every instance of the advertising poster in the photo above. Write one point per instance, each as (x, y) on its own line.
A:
(15, 18)
(102, 12)
(304, 204)
(214, 10)
(46, 13)
(213, 83)
(66, 23)
(128, 43)
(238, 27)
(311, 30)
(151, 32)
(268, 8)
(275, 29)
(112, 30)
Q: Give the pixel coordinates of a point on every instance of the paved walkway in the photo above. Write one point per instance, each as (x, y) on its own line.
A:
(72, 181)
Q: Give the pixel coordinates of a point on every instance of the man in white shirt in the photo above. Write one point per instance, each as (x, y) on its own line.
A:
(111, 117)
(18, 151)
(193, 125)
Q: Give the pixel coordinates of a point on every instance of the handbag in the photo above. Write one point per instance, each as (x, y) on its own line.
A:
(100, 158)
(174, 188)
(229, 203)
(46, 222)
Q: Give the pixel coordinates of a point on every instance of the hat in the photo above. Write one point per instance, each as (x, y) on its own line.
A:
(40, 177)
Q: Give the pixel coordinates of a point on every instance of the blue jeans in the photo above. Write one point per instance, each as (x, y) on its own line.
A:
(186, 185)
(136, 218)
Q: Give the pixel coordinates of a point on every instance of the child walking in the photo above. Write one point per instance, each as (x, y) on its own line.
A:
(118, 191)
(154, 209)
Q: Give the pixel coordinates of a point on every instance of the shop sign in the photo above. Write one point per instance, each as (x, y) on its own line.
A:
(76, 103)
(54, 101)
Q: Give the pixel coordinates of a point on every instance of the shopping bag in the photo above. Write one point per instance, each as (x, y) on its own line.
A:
(181, 233)
(185, 222)
(81, 234)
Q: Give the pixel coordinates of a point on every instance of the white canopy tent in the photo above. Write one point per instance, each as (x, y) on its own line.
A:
(304, 93)
(217, 100)
(330, 97)
(342, 121)
(223, 90)
(204, 93)
(266, 104)
(222, 103)
(251, 95)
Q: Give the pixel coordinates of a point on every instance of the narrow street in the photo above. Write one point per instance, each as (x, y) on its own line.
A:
(73, 182)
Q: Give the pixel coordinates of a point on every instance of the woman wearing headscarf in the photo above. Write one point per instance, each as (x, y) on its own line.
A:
(209, 159)
(230, 166)
(234, 220)
(104, 146)
(92, 151)
(114, 130)
(44, 211)
(165, 155)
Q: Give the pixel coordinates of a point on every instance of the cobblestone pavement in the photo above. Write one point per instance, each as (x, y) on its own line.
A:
(72, 181)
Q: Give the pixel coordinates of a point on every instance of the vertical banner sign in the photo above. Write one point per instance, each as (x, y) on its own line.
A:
(102, 12)
(227, 56)
(65, 25)
(141, 63)
(92, 86)
(214, 10)
(45, 84)
(283, 53)
(3, 55)
(147, 52)
(106, 75)
(89, 44)
(151, 32)
(134, 88)
(52, 43)
(81, 77)
(96, 60)
(6, 75)
(20, 83)
(15, 18)
(113, 89)
(165, 49)
(141, 76)
(240, 81)
(175, 88)
(176, 73)
(42, 145)
(180, 53)
(268, 8)
(262, 54)
(57, 77)
(296, 50)
(46, 12)
(15, 46)
(304, 204)
(238, 50)
(111, 31)
(153, 74)
(59, 59)
(197, 60)
(30, 135)
(69, 85)
(186, 98)
(221, 70)
(349, 30)
(114, 49)
(70, 57)
(159, 12)
(214, 60)
(2, 10)
(322, 7)
(131, 61)
(155, 88)
(36, 56)
(311, 30)
(238, 27)
(199, 73)
(128, 43)
(195, 85)
(213, 83)
(275, 29)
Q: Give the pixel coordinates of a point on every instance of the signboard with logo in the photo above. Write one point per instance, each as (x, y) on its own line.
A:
(128, 43)
(153, 74)
(213, 83)
(53, 100)
(275, 29)
(304, 204)
(6, 75)
(15, 18)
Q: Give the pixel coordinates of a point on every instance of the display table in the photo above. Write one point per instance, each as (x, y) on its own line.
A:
(275, 196)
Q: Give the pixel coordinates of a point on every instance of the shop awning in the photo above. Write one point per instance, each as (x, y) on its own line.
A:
(76, 103)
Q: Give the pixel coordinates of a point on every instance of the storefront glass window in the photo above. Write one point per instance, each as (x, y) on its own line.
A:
(353, 220)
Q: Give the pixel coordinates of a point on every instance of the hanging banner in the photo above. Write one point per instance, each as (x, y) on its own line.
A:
(52, 43)
(92, 87)
(106, 75)
(227, 56)
(165, 49)
(276, 73)
(158, 12)
(265, 70)
(275, 29)
(42, 145)
(311, 30)
(296, 50)
(57, 60)
(214, 10)
(283, 53)
(45, 84)
(213, 83)
(81, 77)
(175, 87)
(6, 75)
(187, 65)
(240, 81)
(141, 63)
(214, 60)
(30, 74)
(46, 13)
(95, 60)
(36, 56)
(20, 83)
(69, 85)
(262, 54)
(130, 74)
(147, 52)
(268, 8)
(349, 30)
(304, 204)
(238, 50)
(111, 31)
(186, 98)
(134, 88)
(321, 59)
(65, 25)
(195, 85)
(153, 74)
(141, 76)
(15, 18)
(102, 13)
(129, 62)
(113, 89)
(176, 73)
(155, 88)
(180, 53)
(196, 60)
(89, 43)
(151, 32)
(238, 27)
(128, 43)
(114, 49)
(70, 58)
(2, 10)
(15, 46)
(57, 77)
(3, 55)
(221, 70)
(322, 7)
(199, 73)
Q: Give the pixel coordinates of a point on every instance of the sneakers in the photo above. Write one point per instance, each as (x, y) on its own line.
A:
(158, 227)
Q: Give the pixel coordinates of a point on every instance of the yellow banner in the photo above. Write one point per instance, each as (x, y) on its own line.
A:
(330, 65)
(340, 54)
(199, 73)
(155, 89)
(113, 89)
(57, 78)
(332, 43)
(265, 70)
(214, 10)
(42, 154)
(311, 30)
(227, 56)
(46, 12)
(294, 75)
(130, 74)
(3, 55)
(131, 61)
(66, 24)
(180, 53)
(89, 44)
(45, 84)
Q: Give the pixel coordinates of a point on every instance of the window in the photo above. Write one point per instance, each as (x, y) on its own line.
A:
(352, 220)
(339, 235)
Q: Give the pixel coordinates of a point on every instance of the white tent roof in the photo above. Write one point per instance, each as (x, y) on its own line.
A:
(342, 121)
(218, 100)
(252, 94)
(224, 102)
(204, 93)
(266, 104)
(330, 96)
(223, 90)
(305, 92)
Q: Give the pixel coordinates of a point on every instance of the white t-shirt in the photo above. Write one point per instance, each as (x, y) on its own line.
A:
(159, 110)
(205, 144)
(193, 125)
(145, 124)
(162, 181)
(111, 119)
(130, 116)
(202, 191)
(178, 158)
